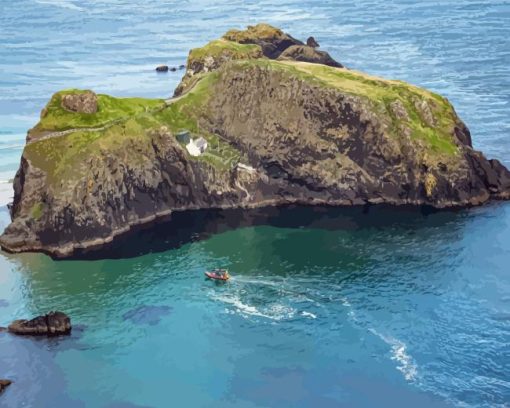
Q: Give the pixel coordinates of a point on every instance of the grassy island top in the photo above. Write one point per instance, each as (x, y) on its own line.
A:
(54, 117)
(230, 49)
(70, 138)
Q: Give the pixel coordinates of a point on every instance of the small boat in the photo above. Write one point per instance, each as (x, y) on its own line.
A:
(218, 274)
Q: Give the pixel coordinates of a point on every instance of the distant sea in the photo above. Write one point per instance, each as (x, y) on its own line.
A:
(326, 308)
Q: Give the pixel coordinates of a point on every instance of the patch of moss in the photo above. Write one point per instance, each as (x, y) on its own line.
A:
(57, 118)
(36, 211)
(230, 49)
(381, 93)
(252, 33)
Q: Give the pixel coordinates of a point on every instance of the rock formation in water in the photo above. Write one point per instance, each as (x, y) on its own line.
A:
(283, 124)
(4, 384)
(51, 324)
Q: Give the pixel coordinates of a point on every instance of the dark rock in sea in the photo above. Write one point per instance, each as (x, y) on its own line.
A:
(51, 324)
(80, 102)
(4, 384)
(182, 66)
(162, 68)
(150, 315)
(173, 69)
(311, 42)
(304, 53)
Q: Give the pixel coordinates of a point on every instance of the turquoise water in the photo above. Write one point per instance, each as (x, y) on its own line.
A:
(326, 307)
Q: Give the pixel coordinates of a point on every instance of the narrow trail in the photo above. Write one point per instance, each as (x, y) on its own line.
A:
(61, 133)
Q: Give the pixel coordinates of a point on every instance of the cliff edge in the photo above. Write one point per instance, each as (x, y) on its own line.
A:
(258, 119)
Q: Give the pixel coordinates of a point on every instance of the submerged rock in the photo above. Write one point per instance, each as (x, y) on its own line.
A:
(310, 132)
(80, 102)
(162, 68)
(150, 315)
(4, 384)
(51, 324)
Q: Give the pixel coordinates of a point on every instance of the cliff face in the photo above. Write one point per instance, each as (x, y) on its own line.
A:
(279, 131)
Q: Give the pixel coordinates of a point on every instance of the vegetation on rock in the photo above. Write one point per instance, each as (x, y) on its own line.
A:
(308, 132)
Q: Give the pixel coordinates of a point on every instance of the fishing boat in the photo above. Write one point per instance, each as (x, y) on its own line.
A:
(218, 274)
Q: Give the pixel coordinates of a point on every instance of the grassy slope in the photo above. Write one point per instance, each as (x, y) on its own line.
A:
(109, 108)
(258, 32)
(381, 93)
(65, 158)
(222, 47)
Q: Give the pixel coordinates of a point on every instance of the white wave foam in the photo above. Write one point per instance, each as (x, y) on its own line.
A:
(11, 147)
(6, 193)
(61, 3)
(406, 366)
(398, 348)
(275, 312)
(310, 315)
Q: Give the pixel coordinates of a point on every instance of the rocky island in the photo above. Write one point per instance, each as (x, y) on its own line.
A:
(259, 119)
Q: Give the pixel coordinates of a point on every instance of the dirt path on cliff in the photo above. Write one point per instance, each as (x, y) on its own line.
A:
(61, 133)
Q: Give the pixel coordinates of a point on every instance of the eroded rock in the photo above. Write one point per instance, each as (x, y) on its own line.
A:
(84, 102)
(51, 324)
(305, 53)
(273, 41)
(4, 384)
(311, 42)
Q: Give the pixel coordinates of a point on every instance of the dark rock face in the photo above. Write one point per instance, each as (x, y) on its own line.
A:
(4, 384)
(162, 68)
(305, 53)
(311, 42)
(85, 102)
(52, 324)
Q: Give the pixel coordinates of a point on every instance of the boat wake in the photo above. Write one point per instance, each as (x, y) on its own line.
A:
(406, 364)
(274, 312)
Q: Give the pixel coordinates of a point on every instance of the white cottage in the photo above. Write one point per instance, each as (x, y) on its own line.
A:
(197, 146)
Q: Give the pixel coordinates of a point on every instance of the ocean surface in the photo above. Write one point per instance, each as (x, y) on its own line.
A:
(326, 308)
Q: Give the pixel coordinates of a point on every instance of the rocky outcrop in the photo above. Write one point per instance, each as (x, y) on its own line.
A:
(261, 40)
(51, 324)
(279, 131)
(4, 384)
(162, 68)
(312, 42)
(271, 40)
(85, 102)
(305, 53)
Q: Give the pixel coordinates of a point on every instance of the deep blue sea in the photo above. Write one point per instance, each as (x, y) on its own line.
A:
(326, 308)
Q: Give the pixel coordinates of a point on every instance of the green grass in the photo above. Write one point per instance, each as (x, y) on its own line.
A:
(131, 121)
(231, 49)
(259, 31)
(109, 109)
(380, 93)
(37, 210)
(67, 157)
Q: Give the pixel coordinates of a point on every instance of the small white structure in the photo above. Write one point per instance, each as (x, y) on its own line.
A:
(197, 146)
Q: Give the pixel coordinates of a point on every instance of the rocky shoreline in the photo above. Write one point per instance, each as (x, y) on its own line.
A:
(89, 173)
